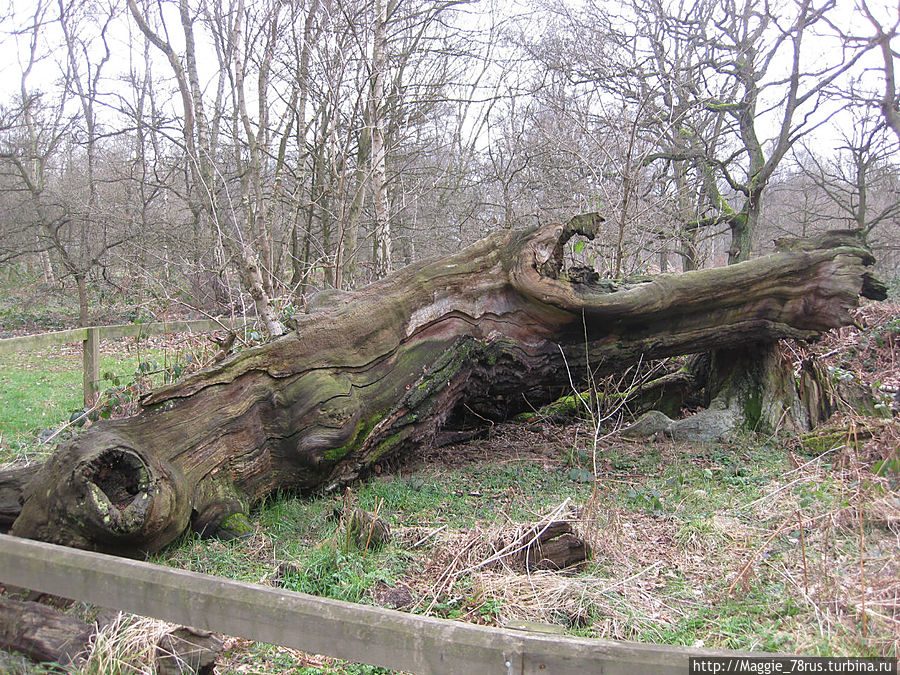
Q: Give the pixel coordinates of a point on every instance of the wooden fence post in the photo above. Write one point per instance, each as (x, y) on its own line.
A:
(91, 346)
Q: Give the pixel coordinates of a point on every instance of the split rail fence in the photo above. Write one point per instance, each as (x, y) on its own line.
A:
(359, 633)
(91, 336)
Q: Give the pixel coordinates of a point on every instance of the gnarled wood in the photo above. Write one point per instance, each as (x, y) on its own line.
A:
(42, 633)
(13, 481)
(187, 651)
(554, 546)
(483, 334)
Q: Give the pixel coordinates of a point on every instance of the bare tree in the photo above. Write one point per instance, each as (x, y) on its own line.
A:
(237, 229)
(884, 39)
(46, 138)
(726, 88)
(623, 82)
(382, 234)
(858, 187)
(747, 41)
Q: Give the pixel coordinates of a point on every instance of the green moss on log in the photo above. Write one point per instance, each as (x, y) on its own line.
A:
(817, 443)
(235, 526)
(822, 440)
(363, 429)
(567, 407)
(388, 444)
(753, 402)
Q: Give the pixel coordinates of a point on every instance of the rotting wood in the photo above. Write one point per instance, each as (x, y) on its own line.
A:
(439, 347)
(553, 546)
(359, 633)
(13, 481)
(187, 651)
(41, 633)
(366, 530)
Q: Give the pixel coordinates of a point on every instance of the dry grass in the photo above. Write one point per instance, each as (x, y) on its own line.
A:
(125, 646)
(822, 539)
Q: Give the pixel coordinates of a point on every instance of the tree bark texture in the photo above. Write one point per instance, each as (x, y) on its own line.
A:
(42, 633)
(440, 345)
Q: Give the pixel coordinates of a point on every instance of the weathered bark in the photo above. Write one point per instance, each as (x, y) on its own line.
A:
(553, 547)
(13, 481)
(484, 334)
(186, 651)
(366, 530)
(42, 633)
(748, 387)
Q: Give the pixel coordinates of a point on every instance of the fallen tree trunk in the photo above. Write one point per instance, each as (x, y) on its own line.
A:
(481, 335)
(13, 481)
(42, 633)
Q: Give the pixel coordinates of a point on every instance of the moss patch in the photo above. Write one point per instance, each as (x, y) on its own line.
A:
(753, 401)
(363, 430)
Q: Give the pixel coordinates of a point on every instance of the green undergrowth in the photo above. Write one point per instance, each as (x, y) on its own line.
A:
(41, 391)
(694, 545)
(19, 312)
(706, 536)
(27, 305)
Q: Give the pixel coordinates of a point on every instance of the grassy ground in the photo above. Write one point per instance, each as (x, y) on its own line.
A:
(41, 390)
(745, 547)
(757, 544)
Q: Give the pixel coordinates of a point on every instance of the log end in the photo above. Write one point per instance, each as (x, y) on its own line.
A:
(42, 633)
(872, 288)
(100, 493)
(185, 651)
(14, 482)
(554, 546)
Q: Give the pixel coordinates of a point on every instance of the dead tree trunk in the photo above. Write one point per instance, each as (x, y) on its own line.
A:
(442, 344)
(42, 633)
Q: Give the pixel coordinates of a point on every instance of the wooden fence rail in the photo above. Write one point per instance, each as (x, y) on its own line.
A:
(91, 336)
(360, 633)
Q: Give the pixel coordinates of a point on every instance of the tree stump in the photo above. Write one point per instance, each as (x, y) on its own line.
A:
(553, 547)
(186, 651)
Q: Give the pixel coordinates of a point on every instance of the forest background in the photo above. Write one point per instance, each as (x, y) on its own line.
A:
(209, 156)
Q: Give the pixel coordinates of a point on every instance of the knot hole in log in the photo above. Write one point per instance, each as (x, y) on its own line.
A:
(118, 486)
(119, 474)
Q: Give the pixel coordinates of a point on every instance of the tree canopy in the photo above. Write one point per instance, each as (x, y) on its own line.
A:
(226, 153)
